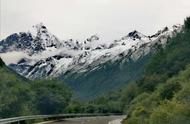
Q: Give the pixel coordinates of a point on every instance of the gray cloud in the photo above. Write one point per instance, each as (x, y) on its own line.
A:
(79, 19)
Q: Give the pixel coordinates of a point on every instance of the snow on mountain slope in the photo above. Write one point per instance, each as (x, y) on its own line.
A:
(39, 54)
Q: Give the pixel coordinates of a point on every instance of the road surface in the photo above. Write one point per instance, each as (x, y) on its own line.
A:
(91, 120)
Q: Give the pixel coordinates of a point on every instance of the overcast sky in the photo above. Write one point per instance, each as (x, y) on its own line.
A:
(79, 19)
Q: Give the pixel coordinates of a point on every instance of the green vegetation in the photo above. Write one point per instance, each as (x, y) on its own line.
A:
(167, 104)
(14, 93)
(103, 104)
(19, 96)
(51, 96)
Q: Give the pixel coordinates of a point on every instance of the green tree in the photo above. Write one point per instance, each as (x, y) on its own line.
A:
(1, 63)
(169, 89)
(187, 23)
(51, 96)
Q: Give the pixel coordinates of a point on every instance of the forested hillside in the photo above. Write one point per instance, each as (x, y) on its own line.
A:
(19, 96)
(162, 95)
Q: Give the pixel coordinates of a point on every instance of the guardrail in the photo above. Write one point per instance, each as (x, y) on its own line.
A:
(26, 119)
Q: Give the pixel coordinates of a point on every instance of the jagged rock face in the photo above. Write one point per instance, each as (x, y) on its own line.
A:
(44, 55)
(34, 41)
(21, 41)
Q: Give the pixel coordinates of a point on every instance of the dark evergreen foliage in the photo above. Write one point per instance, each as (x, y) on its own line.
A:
(1, 63)
(187, 23)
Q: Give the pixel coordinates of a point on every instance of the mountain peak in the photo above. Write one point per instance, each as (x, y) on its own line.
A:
(38, 29)
(39, 26)
(93, 38)
(175, 28)
(136, 35)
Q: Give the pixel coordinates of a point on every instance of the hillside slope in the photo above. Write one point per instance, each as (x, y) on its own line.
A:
(108, 77)
(14, 92)
(20, 96)
(163, 94)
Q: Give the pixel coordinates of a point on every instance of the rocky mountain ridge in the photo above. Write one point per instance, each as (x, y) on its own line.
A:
(43, 55)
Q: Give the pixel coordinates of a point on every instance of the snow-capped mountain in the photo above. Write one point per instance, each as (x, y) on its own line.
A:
(38, 53)
(36, 40)
(90, 67)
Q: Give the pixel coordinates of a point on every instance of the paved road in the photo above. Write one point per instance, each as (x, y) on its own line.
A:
(91, 120)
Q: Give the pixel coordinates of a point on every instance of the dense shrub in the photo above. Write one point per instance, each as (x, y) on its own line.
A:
(168, 90)
(172, 112)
